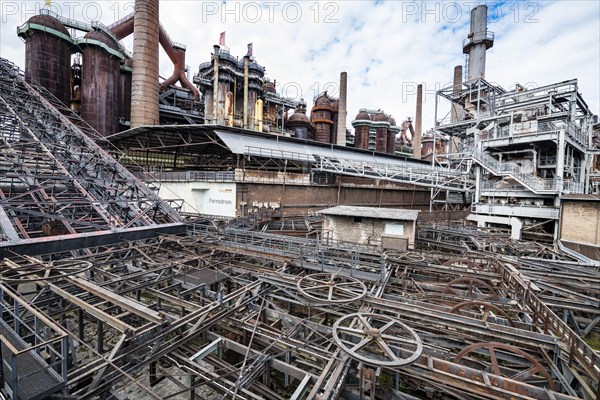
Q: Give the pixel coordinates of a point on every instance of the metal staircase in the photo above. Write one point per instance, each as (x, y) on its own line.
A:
(513, 170)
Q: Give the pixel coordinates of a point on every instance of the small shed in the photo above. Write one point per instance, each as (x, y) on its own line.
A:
(390, 228)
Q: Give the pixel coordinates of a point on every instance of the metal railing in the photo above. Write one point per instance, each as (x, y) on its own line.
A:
(513, 169)
(405, 172)
(188, 176)
(478, 38)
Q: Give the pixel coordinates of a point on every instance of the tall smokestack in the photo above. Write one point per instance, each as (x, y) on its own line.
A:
(455, 115)
(477, 43)
(416, 141)
(456, 87)
(342, 110)
(144, 96)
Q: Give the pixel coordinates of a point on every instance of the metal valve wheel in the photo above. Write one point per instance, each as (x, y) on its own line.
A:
(331, 288)
(377, 340)
(493, 358)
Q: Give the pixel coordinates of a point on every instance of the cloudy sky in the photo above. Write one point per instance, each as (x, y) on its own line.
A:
(387, 47)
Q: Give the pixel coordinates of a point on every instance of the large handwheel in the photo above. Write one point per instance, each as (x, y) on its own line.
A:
(331, 288)
(530, 367)
(43, 271)
(474, 288)
(481, 309)
(377, 340)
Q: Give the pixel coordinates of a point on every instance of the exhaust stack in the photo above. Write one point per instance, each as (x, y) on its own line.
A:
(477, 43)
(342, 110)
(416, 140)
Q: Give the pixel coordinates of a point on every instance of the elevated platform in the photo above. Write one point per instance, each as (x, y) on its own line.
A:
(34, 378)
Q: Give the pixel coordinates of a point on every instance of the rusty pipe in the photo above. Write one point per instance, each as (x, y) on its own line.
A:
(124, 27)
(179, 72)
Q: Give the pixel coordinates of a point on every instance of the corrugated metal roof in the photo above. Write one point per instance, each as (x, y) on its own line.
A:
(581, 197)
(290, 148)
(372, 212)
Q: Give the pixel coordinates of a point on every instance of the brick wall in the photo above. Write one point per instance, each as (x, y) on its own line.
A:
(366, 232)
(580, 222)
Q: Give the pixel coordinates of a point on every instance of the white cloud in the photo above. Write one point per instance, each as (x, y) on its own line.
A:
(386, 48)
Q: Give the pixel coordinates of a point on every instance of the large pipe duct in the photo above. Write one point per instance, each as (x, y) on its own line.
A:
(418, 122)
(144, 96)
(177, 56)
(124, 27)
(477, 43)
(342, 110)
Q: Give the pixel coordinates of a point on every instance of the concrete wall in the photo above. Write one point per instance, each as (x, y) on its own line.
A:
(366, 232)
(580, 222)
(211, 198)
(231, 199)
(303, 200)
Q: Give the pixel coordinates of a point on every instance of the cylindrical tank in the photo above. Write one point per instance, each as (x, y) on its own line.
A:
(321, 118)
(253, 113)
(100, 83)
(361, 125)
(391, 136)
(382, 130)
(299, 122)
(229, 108)
(259, 115)
(48, 56)
(144, 96)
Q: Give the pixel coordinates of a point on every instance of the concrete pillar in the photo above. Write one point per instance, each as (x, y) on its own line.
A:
(144, 96)
(418, 124)
(342, 110)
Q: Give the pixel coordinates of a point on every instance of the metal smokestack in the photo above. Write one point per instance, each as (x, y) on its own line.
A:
(342, 110)
(416, 140)
(477, 43)
(144, 96)
(216, 85)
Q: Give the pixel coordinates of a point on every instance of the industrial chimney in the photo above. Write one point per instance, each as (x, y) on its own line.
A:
(144, 96)
(456, 87)
(416, 140)
(342, 110)
(477, 43)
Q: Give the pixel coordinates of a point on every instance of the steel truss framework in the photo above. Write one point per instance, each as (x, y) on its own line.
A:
(55, 181)
(224, 314)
